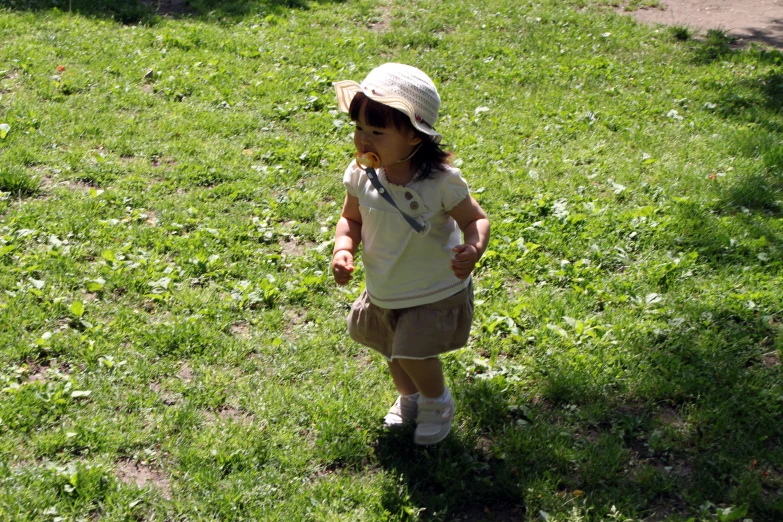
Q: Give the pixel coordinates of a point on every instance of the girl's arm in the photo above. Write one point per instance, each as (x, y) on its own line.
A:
(473, 222)
(348, 235)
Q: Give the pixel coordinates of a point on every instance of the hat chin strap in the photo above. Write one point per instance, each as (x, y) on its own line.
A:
(411, 155)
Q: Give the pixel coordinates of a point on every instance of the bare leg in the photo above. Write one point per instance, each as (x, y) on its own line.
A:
(402, 381)
(425, 374)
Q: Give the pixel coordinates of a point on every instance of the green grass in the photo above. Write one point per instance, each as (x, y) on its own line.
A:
(172, 346)
(681, 32)
(15, 181)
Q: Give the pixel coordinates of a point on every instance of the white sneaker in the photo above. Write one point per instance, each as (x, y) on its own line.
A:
(433, 422)
(402, 412)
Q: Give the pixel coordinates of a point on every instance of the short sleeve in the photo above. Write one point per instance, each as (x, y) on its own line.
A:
(453, 189)
(351, 179)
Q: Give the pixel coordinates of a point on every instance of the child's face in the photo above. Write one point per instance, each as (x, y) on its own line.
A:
(389, 143)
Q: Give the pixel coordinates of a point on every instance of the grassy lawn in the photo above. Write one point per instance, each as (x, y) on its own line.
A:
(172, 346)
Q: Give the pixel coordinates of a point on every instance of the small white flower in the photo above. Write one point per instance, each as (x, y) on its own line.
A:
(674, 115)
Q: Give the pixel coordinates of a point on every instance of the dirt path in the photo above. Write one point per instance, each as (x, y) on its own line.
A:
(748, 20)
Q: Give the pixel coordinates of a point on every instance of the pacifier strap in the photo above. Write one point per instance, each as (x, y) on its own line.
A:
(418, 227)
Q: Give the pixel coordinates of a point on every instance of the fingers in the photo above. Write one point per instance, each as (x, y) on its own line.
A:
(465, 252)
(462, 269)
(464, 255)
(342, 267)
(342, 277)
(464, 260)
(462, 274)
(342, 274)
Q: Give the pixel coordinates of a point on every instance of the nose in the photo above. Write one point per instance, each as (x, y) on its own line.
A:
(362, 136)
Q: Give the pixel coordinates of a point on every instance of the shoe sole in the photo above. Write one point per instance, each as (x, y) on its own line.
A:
(426, 440)
(398, 426)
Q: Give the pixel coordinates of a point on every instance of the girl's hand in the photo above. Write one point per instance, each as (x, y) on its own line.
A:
(342, 266)
(464, 260)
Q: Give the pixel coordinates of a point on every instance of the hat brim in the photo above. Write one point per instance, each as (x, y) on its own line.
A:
(347, 89)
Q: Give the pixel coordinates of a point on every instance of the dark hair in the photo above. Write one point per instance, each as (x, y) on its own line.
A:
(429, 155)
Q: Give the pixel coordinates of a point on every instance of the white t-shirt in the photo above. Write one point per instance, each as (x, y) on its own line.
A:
(403, 268)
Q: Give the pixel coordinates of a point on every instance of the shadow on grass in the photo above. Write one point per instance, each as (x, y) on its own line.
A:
(757, 99)
(716, 370)
(691, 420)
(739, 223)
(512, 469)
(458, 477)
(761, 190)
(738, 241)
(148, 11)
(754, 100)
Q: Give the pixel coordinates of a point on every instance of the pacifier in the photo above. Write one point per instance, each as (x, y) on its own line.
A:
(368, 160)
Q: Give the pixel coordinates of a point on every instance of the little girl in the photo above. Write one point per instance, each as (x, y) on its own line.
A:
(418, 301)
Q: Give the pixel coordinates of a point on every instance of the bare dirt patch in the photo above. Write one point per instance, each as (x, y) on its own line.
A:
(49, 183)
(771, 359)
(77, 185)
(233, 414)
(35, 372)
(748, 20)
(168, 398)
(8, 86)
(142, 476)
(43, 372)
(229, 414)
(384, 20)
(671, 417)
(291, 248)
(294, 317)
(241, 329)
(185, 373)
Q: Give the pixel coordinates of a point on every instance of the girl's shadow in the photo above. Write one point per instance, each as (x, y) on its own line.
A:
(459, 478)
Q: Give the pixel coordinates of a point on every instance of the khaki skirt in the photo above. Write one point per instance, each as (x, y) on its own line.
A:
(419, 332)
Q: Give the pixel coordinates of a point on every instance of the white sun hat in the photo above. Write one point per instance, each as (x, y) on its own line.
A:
(401, 87)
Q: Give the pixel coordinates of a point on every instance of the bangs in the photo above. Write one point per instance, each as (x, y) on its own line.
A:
(377, 114)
